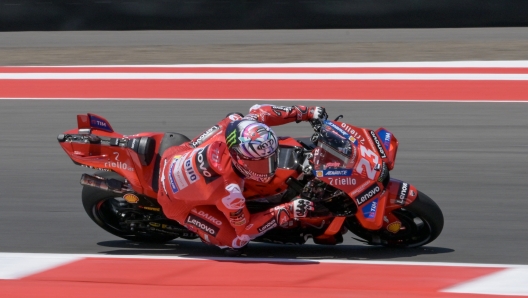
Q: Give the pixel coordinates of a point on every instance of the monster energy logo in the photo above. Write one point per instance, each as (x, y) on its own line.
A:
(231, 139)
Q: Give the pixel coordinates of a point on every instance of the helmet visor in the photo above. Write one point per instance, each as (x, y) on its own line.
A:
(265, 166)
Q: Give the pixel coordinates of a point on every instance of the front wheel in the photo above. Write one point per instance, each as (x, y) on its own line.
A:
(422, 222)
(107, 209)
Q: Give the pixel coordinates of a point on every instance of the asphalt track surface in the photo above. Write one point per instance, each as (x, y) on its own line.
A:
(469, 157)
(256, 46)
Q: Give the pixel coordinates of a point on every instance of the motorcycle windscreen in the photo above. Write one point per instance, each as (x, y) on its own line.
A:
(333, 150)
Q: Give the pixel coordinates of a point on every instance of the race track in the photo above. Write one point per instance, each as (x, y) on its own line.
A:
(469, 157)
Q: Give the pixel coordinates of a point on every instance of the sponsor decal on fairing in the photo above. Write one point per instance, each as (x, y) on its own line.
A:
(332, 165)
(131, 198)
(368, 194)
(117, 164)
(150, 208)
(338, 129)
(385, 138)
(369, 211)
(329, 173)
(100, 123)
(403, 191)
(342, 181)
(354, 135)
(378, 144)
(394, 227)
(360, 188)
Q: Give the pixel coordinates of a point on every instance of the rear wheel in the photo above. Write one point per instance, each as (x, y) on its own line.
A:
(111, 212)
(421, 223)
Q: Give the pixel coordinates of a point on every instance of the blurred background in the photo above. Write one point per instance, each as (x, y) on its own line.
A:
(37, 15)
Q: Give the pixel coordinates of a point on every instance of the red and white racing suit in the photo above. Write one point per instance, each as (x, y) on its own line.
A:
(200, 189)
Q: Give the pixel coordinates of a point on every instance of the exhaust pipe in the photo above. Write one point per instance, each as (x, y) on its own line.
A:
(104, 184)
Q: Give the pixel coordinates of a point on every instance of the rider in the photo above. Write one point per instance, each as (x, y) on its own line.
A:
(201, 182)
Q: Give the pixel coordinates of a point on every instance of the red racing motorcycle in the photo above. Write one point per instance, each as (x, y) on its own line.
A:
(343, 169)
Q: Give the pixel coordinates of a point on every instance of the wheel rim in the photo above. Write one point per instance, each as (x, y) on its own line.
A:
(417, 231)
(106, 212)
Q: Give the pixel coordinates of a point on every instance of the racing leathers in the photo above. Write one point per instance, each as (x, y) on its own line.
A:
(201, 189)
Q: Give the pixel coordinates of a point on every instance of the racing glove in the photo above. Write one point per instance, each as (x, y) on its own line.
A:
(298, 208)
(316, 116)
(317, 113)
(301, 207)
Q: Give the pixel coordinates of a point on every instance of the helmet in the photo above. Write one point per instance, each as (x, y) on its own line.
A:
(253, 148)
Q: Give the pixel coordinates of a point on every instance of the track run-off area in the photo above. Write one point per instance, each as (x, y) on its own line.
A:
(463, 140)
(456, 81)
(45, 275)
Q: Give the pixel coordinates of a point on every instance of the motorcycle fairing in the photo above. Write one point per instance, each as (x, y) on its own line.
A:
(371, 214)
(376, 213)
(346, 158)
(401, 194)
(93, 121)
(335, 156)
(390, 144)
(95, 145)
(362, 170)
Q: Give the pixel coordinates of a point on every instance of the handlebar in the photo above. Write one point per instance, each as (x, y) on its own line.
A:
(317, 123)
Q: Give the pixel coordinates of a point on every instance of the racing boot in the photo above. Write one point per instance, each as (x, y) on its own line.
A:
(235, 252)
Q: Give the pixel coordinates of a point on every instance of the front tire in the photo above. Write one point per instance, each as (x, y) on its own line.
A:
(422, 220)
(102, 207)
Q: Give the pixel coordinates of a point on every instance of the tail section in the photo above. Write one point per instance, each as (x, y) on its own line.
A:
(87, 123)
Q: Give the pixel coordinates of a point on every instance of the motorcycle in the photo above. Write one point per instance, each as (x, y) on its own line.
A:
(343, 169)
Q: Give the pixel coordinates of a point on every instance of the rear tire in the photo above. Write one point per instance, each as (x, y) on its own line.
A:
(101, 206)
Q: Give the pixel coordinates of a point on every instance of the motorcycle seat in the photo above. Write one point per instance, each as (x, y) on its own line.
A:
(170, 139)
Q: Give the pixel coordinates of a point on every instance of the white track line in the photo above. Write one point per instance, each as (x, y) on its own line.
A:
(440, 64)
(244, 259)
(512, 281)
(15, 266)
(263, 76)
(267, 100)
